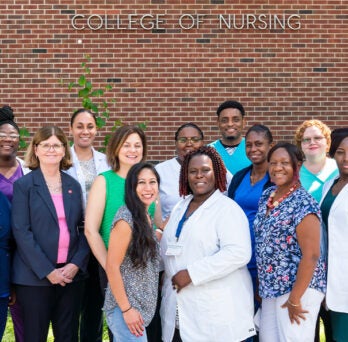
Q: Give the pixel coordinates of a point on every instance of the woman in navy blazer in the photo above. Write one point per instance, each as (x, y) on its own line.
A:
(52, 252)
(5, 233)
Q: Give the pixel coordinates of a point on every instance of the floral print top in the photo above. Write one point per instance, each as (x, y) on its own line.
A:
(277, 250)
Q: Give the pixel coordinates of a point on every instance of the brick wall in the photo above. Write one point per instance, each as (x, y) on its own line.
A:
(169, 74)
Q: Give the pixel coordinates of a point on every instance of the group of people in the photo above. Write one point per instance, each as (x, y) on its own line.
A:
(239, 240)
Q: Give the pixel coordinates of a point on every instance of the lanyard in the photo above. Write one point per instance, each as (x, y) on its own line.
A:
(182, 222)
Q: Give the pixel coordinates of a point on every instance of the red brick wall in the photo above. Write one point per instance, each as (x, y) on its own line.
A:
(170, 75)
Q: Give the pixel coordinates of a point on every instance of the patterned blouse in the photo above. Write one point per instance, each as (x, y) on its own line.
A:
(277, 250)
(140, 283)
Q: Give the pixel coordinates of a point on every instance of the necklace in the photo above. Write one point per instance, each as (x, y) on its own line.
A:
(254, 179)
(55, 187)
(271, 205)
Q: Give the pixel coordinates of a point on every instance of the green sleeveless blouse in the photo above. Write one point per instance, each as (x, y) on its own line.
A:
(113, 201)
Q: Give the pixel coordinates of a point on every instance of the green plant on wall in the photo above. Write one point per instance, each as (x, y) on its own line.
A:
(23, 133)
(92, 98)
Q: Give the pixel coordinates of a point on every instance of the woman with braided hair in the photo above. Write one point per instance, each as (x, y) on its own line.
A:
(11, 168)
(207, 292)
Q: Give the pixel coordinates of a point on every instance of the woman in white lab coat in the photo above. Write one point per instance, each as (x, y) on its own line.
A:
(207, 293)
(335, 216)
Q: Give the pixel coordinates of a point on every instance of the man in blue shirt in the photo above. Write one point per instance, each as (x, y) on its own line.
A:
(231, 145)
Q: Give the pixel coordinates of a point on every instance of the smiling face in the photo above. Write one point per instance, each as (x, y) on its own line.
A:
(50, 151)
(201, 176)
(231, 124)
(189, 139)
(147, 186)
(10, 142)
(314, 144)
(341, 157)
(83, 130)
(257, 146)
(281, 168)
(131, 152)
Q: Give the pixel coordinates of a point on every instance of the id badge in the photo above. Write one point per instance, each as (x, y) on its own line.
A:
(174, 249)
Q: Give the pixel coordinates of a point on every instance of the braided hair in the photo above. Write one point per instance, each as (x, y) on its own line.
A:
(7, 117)
(218, 167)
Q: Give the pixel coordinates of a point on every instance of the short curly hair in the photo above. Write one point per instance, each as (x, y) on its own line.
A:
(309, 123)
(218, 166)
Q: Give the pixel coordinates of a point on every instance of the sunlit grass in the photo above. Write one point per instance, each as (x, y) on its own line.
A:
(9, 334)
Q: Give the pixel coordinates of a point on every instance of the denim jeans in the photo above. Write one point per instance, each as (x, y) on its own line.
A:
(119, 328)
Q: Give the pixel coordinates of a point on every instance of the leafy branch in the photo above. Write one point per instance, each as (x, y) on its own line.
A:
(91, 99)
(23, 133)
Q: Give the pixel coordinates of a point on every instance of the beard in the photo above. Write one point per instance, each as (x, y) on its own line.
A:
(231, 137)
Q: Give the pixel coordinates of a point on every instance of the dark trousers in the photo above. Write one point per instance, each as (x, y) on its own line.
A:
(154, 329)
(91, 319)
(44, 304)
(325, 316)
(3, 315)
(176, 337)
(17, 320)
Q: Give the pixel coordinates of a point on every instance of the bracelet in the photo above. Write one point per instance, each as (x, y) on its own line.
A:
(127, 309)
(292, 304)
(159, 230)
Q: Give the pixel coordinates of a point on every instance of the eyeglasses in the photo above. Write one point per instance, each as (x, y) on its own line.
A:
(193, 140)
(11, 136)
(307, 141)
(56, 147)
(282, 164)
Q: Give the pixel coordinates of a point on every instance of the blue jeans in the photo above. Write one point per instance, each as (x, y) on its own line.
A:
(119, 328)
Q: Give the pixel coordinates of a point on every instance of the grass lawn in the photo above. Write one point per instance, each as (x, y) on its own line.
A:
(9, 335)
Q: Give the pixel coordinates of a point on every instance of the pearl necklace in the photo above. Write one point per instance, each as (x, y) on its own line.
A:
(271, 205)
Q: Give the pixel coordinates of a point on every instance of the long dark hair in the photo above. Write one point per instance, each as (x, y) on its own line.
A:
(143, 246)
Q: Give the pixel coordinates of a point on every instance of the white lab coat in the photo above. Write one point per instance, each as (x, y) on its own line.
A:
(337, 276)
(218, 305)
(75, 171)
(169, 172)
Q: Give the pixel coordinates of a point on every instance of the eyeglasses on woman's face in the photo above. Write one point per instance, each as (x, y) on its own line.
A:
(46, 147)
(11, 136)
(307, 141)
(192, 140)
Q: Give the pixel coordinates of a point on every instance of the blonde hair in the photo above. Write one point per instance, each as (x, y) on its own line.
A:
(309, 123)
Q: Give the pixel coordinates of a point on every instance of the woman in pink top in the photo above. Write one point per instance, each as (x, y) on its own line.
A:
(52, 251)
